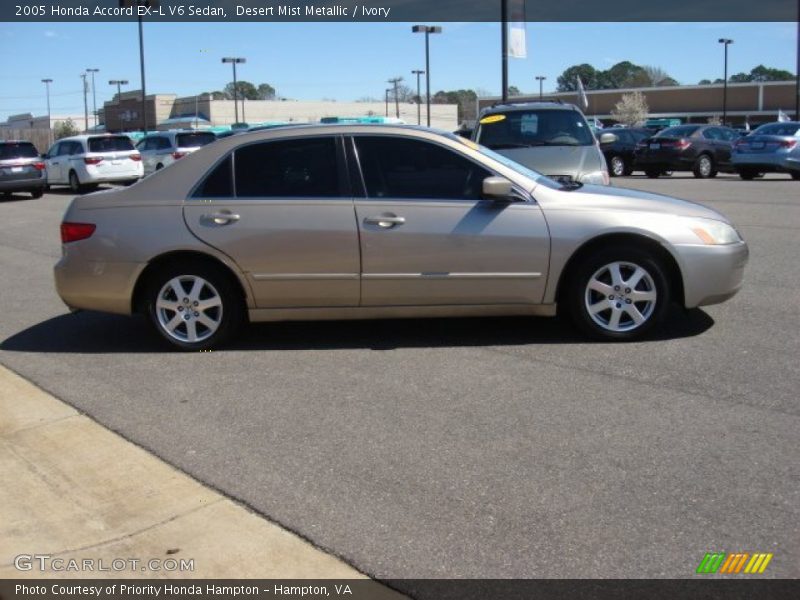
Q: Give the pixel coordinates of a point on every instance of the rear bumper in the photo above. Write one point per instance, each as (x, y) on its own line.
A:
(711, 274)
(766, 162)
(664, 161)
(17, 185)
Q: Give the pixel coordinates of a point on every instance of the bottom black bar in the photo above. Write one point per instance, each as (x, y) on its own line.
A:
(396, 589)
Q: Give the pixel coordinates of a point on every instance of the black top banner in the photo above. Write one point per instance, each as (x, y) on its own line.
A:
(397, 10)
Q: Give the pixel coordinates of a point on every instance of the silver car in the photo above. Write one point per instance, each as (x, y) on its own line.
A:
(772, 148)
(161, 149)
(548, 137)
(372, 221)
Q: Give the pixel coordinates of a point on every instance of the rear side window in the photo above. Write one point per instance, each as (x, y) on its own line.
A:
(110, 144)
(218, 183)
(778, 129)
(194, 140)
(290, 168)
(402, 168)
(683, 131)
(17, 150)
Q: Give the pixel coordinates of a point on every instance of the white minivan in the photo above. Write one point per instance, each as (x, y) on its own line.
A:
(84, 161)
(161, 149)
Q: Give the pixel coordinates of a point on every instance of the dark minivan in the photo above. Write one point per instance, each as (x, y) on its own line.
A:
(21, 169)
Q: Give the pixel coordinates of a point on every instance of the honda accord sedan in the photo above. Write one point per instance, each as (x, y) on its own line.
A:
(375, 221)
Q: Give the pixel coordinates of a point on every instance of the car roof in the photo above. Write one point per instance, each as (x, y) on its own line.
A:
(519, 106)
(85, 136)
(337, 128)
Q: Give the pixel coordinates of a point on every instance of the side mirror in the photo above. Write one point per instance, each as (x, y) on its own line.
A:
(497, 188)
(608, 138)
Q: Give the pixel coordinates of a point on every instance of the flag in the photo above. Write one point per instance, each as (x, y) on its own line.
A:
(582, 94)
(782, 116)
(517, 46)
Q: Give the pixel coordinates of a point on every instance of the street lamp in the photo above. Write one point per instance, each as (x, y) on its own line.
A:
(47, 83)
(119, 83)
(85, 106)
(419, 99)
(427, 30)
(387, 100)
(235, 60)
(540, 79)
(94, 95)
(726, 42)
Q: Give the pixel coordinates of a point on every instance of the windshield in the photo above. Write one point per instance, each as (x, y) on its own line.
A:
(678, 132)
(507, 162)
(21, 150)
(528, 128)
(194, 140)
(778, 129)
(110, 144)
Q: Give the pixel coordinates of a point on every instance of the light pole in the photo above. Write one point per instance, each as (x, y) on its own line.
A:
(419, 99)
(85, 106)
(387, 100)
(47, 83)
(119, 83)
(427, 30)
(726, 42)
(540, 79)
(235, 60)
(394, 82)
(94, 95)
(504, 51)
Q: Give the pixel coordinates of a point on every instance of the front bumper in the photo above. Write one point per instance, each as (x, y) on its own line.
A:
(711, 274)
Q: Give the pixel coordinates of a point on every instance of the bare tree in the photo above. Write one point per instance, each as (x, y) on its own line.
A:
(631, 110)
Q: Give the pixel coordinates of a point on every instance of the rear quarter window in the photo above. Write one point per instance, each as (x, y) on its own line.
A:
(110, 144)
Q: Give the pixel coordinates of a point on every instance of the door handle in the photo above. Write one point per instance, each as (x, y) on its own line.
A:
(221, 218)
(385, 221)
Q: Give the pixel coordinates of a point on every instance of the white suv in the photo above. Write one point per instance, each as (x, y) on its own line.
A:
(160, 150)
(84, 161)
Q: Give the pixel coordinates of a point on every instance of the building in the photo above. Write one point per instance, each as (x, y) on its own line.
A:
(167, 111)
(38, 130)
(754, 102)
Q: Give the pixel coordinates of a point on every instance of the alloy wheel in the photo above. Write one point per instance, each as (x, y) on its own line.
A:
(620, 296)
(189, 308)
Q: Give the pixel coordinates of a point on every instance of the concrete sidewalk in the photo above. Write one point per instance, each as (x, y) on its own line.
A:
(71, 489)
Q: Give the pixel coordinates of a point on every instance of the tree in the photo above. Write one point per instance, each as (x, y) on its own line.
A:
(625, 74)
(658, 76)
(244, 89)
(762, 73)
(514, 91)
(465, 99)
(568, 80)
(632, 109)
(704, 82)
(65, 129)
(265, 91)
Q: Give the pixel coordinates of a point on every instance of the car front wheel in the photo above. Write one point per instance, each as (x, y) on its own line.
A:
(619, 294)
(617, 167)
(194, 306)
(704, 167)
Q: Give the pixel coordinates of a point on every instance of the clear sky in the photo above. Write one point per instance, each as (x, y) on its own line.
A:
(348, 61)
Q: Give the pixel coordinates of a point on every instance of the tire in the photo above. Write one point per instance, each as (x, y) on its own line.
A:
(748, 174)
(37, 193)
(795, 175)
(159, 166)
(129, 182)
(200, 282)
(703, 167)
(599, 301)
(74, 183)
(617, 166)
(652, 173)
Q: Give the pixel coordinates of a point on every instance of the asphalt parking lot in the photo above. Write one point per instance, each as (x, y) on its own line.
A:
(466, 447)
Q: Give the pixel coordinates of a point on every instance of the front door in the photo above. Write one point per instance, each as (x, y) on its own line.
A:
(429, 238)
(285, 214)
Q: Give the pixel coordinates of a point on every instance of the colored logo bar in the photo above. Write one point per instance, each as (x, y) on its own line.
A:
(734, 563)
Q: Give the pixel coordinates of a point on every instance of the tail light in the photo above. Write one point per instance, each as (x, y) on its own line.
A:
(72, 232)
(39, 166)
(93, 160)
(788, 143)
(178, 154)
(135, 156)
(682, 144)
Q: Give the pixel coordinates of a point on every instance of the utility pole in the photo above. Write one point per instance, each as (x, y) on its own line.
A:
(394, 82)
(47, 83)
(540, 79)
(419, 99)
(387, 101)
(85, 106)
(504, 42)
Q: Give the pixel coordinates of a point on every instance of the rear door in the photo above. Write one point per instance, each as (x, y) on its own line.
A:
(428, 237)
(283, 210)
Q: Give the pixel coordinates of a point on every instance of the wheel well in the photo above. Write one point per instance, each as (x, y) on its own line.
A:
(627, 239)
(138, 301)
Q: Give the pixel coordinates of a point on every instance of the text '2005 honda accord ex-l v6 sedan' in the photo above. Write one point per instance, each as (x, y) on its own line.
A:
(373, 221)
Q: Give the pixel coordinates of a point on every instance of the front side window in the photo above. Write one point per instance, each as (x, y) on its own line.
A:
(523, 129)
(405, 168)
(297, 168)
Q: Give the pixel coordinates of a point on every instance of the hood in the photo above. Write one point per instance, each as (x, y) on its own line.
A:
(558, 160)
(601, 197)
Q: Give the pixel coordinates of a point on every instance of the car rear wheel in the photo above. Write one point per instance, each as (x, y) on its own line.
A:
(193, 305)
(74, 183)
(619, 294)
(704, 167)
(748, 174)
(37, 193)
(617, 166)
(652, 173)
(795, 175)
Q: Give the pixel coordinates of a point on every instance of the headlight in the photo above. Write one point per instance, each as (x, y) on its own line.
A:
(595, 177)
(713, 232)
